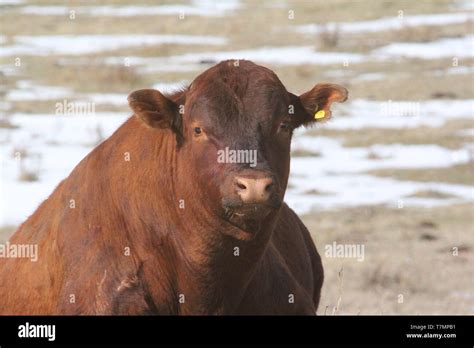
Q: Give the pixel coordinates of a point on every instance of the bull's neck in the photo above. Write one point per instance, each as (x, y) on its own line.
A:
(216, 268)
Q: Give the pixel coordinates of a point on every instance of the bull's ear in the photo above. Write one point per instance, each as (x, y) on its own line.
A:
(315, 105)
(154, 109)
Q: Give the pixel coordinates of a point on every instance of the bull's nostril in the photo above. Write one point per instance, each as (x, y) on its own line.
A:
(241, 186)
(269, 187)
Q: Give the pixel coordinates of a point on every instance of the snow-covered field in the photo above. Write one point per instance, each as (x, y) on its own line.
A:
(394, 114)
(392, 170)
(54, 144)
(337, 175)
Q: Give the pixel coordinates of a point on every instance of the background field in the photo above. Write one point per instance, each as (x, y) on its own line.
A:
(392, 171)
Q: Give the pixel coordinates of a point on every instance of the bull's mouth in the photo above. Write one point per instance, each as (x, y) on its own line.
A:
(248, 218)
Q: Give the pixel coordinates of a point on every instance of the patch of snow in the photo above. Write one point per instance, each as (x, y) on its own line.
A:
(466, 132)
(84, 44)
(371, 77)
(361, 113)
(27, 91)
(388, 23)
(357, 159)
(170, 87)
(336, 73)
(458, 70)
(457, 47)
(286, 55)
(358, 189)
(338, 171)
(8, 69)
(203, 8)
(464, 5)
(4, 106)
(55, 145)
(104, 98)
(11, 2)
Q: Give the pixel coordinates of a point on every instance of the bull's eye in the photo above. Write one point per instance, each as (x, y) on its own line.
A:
(284, 126)
(197, 130)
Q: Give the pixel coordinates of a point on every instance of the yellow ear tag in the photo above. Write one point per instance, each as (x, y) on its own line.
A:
(320, 114)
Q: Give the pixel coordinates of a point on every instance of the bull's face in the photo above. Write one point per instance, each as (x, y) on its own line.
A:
(233, 127)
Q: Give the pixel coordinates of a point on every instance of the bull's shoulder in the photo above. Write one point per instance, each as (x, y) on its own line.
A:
(288, 216)
(290, 237)
(295, 244)
(290, 226)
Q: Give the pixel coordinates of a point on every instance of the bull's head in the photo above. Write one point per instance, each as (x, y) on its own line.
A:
(233, 127)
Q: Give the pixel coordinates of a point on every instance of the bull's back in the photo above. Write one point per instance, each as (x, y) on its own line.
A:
(29, 284)
(76, 234)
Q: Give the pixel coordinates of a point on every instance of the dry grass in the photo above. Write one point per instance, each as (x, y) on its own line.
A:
(83, 78)
(399, 83)
(406, 87)
(364, 42)
(329, 38)
(305, 153)
(403, 247)
(6, 124)
(19, 152)
(243, 29)
(316, 192)
(28, 175)
(431, 194)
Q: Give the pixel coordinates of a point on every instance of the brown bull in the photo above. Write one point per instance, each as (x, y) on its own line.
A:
(181, 210)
